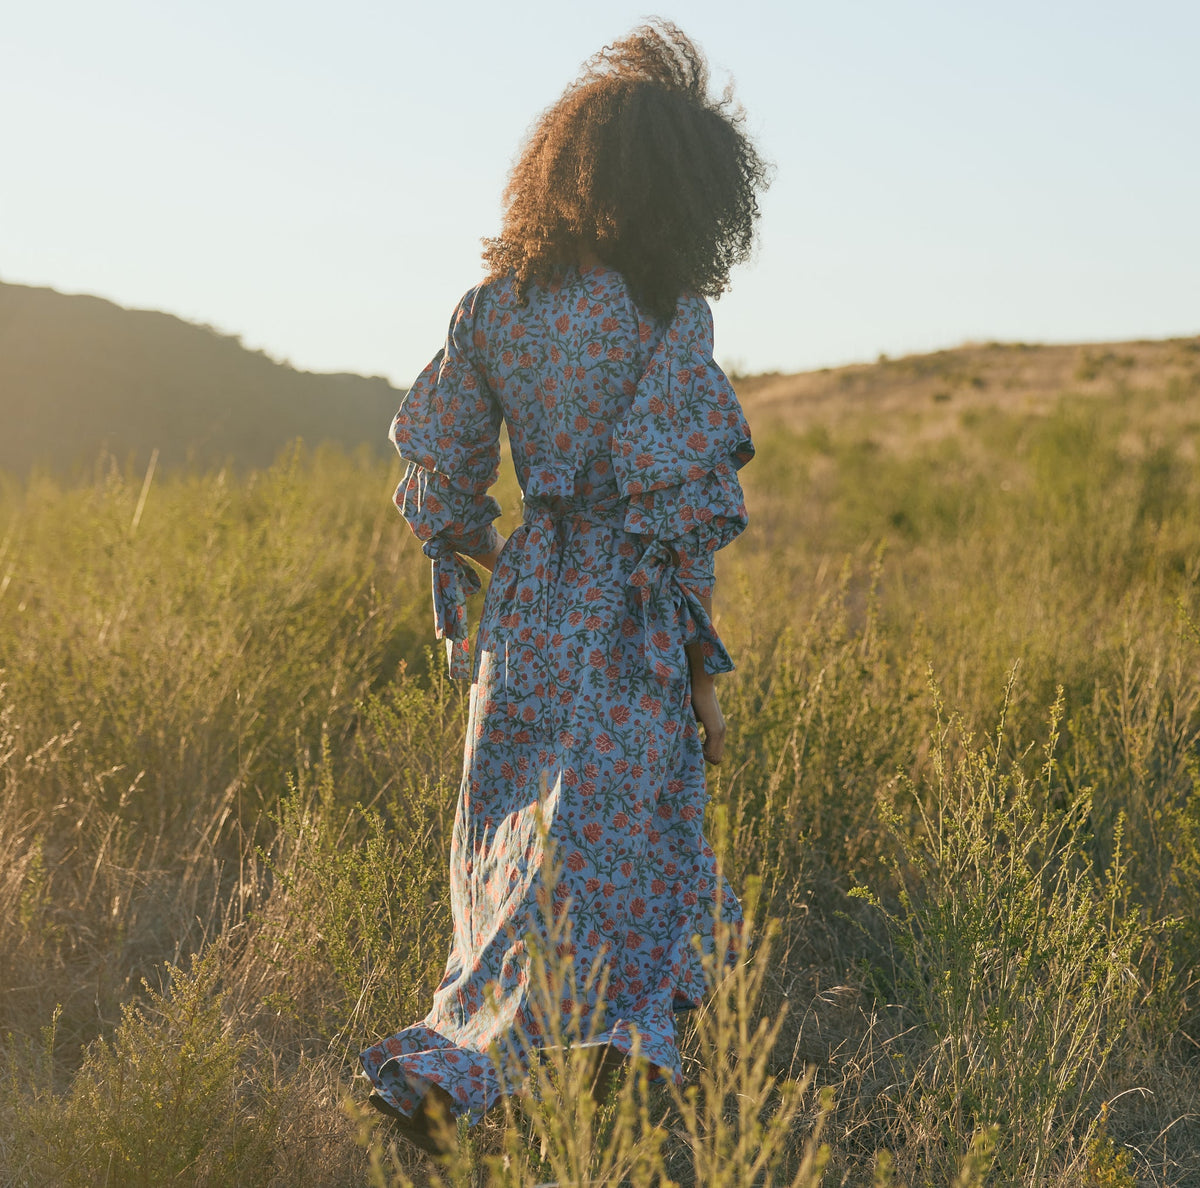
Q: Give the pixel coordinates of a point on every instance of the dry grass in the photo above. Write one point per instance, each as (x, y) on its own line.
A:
(228, 768)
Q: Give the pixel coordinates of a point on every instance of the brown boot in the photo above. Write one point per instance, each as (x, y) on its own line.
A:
(610, 1063)
(431, 1127)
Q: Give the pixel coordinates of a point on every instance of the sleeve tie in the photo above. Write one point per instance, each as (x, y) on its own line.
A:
(454, 581)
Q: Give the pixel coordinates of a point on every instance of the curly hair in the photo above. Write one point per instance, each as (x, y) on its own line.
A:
(636, 164)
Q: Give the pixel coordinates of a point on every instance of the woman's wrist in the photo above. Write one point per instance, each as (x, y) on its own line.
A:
(701, 677)
(487, 557)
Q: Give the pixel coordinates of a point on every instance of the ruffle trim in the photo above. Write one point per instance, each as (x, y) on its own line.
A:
(712, 504)
(403, 1067)
(553, 482)
(677, 451)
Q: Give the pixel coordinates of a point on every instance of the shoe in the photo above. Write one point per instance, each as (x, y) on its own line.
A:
(608, 1066)
(421, 1129)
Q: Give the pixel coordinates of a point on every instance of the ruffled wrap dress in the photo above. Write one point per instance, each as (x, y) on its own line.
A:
(626, 439)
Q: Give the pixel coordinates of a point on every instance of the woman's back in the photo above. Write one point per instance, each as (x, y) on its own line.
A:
(564, 366)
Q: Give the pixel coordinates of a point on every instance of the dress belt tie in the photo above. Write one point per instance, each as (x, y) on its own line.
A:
(541, 537)
(663, 600)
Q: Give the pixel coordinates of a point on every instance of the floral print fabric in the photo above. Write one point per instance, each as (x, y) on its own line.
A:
(581, 743)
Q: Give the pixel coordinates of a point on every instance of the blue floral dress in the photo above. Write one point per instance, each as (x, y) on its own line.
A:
(627, 439)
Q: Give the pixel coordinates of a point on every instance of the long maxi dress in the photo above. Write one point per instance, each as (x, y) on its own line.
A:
(626, 439)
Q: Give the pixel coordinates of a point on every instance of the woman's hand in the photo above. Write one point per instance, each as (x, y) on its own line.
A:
(707, 709)
(705, 705)
(488, 560)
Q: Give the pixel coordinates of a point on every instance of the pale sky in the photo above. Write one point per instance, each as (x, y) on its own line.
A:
(317, 176)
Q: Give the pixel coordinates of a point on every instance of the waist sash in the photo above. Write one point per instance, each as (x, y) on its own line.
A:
(664, 602)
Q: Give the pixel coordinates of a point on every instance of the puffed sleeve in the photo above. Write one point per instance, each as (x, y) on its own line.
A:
(676, 456)
(448, 431)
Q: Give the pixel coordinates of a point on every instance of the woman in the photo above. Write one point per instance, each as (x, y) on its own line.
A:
(591, 340)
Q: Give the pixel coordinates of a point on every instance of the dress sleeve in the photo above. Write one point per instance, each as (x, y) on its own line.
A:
(677, 455)
(448, 431)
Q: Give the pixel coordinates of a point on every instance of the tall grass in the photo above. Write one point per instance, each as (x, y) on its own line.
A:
(1020, 960)
(228, 771)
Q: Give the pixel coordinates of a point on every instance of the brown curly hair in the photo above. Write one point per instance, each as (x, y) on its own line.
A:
(638, 166)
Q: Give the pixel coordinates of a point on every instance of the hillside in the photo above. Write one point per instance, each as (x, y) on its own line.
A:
(79, 375)
(923, 397)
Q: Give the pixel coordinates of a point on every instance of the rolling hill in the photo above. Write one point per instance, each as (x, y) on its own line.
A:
(908, 400)
(80, 376)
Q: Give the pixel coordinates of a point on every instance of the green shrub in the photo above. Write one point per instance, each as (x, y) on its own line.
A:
(167, 1099)
(1020, 964)
(356, 919)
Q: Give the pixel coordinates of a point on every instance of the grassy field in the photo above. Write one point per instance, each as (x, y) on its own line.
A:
(962, 794)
